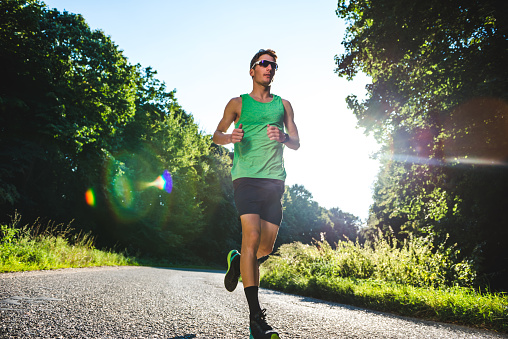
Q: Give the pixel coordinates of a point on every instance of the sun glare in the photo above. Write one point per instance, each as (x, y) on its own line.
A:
(162, 182)
(90, 197)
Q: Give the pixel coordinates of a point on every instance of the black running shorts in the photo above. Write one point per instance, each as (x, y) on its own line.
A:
(260, 196)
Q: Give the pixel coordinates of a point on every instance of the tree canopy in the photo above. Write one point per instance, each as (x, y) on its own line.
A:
(438, 105)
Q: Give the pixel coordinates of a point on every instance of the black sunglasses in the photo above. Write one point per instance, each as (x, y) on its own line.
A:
(265, 63)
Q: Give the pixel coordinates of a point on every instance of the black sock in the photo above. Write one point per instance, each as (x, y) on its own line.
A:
(251, 293)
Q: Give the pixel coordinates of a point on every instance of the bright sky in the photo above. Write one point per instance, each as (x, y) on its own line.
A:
(203, 49)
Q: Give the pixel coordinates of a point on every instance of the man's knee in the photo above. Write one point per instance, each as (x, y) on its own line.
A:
(264, 250)
(251, 240)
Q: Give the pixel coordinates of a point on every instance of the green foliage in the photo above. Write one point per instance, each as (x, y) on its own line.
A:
(414, 261)
(437, 104)
(384, 277)
(223, 228)
(65, 93)
(31, 248)
(8, 240)
(304, 220)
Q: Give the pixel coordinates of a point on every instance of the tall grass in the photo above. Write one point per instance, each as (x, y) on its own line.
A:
(52, 246)
(412, 278)
(416, 261)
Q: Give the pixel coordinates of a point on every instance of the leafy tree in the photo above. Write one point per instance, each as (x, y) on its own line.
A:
(223, 228)
(301, 216)
(65, 93)
(161, 136)
(22, 86)
(76, 116)
(437, 103)
(304, 220)
(345, 226)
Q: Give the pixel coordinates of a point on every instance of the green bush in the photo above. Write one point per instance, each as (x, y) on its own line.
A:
(415, 261)
(29, 248)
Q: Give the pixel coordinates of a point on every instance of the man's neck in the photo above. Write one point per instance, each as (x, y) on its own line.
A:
(261, 93)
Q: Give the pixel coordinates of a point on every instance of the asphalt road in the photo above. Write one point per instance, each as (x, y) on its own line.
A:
(143, 302)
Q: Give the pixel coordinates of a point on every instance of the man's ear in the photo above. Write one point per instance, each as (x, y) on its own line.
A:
(251, 72)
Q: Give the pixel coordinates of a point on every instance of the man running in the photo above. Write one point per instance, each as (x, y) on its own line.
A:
(258, 177)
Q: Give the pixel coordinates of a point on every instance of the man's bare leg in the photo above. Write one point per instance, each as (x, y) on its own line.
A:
(258, 238)
(251, 238)
(269, 233)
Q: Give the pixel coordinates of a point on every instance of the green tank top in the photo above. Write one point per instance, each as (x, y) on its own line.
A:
(256, 156)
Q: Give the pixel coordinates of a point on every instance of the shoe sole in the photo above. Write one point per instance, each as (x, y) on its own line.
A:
(229, 280)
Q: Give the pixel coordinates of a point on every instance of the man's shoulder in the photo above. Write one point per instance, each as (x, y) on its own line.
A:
(234, 105)
(236, 100)
(285, 102)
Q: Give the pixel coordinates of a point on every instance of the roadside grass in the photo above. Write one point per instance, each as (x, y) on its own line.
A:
(359, 275)
(30, 248)
(35, 247)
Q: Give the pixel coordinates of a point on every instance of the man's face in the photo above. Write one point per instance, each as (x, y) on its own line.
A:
(263, 75)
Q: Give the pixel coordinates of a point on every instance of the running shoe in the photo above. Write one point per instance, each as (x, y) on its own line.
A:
(233, 272)
(259, 329)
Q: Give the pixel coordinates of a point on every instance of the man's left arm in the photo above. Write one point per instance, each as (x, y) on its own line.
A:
(293, 139)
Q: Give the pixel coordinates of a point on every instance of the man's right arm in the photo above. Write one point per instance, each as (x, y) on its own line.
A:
(230, 115)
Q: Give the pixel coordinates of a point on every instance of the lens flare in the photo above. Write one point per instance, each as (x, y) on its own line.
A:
(127, 186)
(447, 161)
(90, 197)
(475, 133)
(123, 192)
(163, 182)
(168, 186)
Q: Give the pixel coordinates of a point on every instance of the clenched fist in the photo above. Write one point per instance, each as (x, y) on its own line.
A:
(274, 133)
(237, 134)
